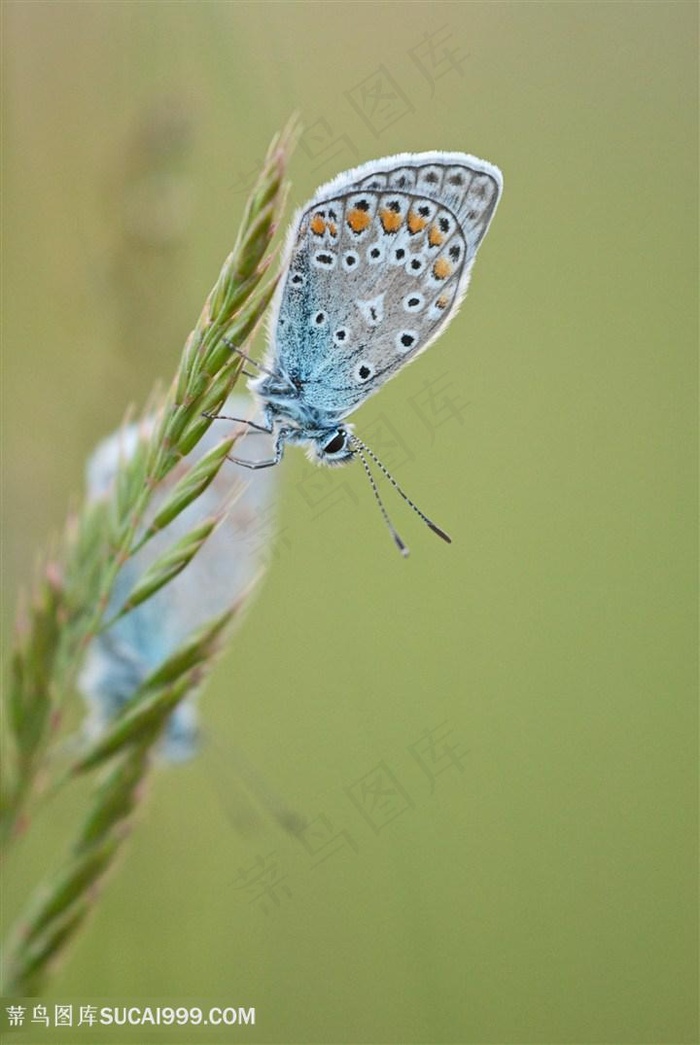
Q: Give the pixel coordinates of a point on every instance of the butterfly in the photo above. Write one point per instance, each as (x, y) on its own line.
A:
(375, 267)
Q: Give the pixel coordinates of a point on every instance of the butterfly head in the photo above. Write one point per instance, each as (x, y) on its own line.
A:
(333, 446)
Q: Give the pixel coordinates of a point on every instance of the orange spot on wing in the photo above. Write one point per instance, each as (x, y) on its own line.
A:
(358, 220)
(318, 225)
(435, 237)
(416, 222)
(391, 221)
(443, 301)
(442, 268)
(332, 228)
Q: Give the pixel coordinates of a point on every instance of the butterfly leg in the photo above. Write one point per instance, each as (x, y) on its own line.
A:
(268, 462)
(254, 362)
(240, 420)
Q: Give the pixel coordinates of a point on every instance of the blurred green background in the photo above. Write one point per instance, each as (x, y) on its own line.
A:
(495, 741)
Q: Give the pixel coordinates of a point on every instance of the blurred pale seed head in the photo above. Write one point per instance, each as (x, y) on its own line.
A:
(221, 574)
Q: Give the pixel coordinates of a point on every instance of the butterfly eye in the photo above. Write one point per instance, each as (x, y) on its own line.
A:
(340, 336)
(297, 279)
(336, 444)
(350, 260)
(319, 319)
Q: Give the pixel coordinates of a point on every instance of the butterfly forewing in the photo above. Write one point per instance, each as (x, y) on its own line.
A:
(378, 265)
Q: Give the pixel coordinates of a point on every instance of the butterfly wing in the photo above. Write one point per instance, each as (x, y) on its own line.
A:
(378, 263)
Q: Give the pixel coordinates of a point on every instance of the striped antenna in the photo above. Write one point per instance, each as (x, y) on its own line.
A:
(361, 449)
